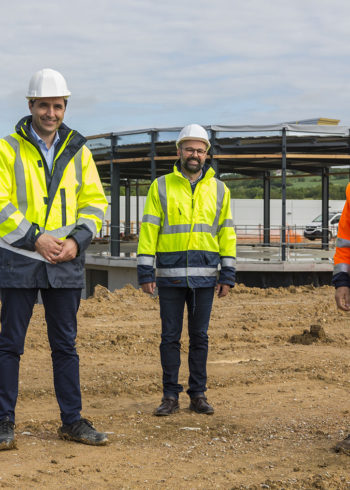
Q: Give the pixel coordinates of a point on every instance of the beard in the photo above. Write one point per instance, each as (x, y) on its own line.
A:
(190, 165)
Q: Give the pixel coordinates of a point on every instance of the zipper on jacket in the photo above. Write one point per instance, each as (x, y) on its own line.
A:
(187, 279)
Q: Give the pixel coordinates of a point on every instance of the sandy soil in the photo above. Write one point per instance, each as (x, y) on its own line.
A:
(279, 406)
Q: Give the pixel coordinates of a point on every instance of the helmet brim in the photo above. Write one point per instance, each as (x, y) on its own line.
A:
(193, 138)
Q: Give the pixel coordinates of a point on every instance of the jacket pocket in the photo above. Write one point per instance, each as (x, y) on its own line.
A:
(171, 259)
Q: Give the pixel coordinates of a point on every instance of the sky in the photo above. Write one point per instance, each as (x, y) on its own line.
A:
(133, 64)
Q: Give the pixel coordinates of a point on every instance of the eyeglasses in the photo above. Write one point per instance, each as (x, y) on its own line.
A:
(194, 150)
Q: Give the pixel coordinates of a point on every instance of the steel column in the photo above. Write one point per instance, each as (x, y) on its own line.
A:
(213, 161)
(137, 207)
(325, 213)
(154, 137)
(127, 208)
(115, 200)
(267, 225)
(284, 193)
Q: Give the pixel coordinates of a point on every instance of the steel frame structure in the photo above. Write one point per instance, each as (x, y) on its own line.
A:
(245, 150)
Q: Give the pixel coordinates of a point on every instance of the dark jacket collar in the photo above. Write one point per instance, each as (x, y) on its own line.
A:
(23, 129)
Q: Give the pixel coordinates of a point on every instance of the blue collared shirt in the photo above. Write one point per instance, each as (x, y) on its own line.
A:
(48, 153)
(194, 183)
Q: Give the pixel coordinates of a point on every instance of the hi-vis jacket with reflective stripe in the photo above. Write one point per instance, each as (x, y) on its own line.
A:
(68, 202)
(341, 273)
(190, 233)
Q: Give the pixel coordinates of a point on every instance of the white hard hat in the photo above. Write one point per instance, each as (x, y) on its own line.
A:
(193, 132)
(47, 83)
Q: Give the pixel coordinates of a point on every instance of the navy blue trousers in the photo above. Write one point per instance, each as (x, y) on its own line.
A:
(61, 307)
(199, 304)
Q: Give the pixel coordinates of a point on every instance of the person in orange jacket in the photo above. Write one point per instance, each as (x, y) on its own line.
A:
(341, 273)
(341, 280)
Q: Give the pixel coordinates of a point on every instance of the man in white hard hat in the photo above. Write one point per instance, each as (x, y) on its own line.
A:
(51, 205)
(187, 225)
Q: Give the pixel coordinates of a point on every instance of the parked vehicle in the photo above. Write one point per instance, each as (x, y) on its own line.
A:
(314, 229)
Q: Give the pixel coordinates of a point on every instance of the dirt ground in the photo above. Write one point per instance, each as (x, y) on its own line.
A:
(280, 406)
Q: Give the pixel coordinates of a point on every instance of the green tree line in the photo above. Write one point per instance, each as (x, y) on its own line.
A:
(296, 187)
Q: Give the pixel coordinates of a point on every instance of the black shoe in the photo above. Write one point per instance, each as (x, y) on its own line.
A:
(83, 431)
(200, 404)
(168, 406)
(7, 434)
(343, 446)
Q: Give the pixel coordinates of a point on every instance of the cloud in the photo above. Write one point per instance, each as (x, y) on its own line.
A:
(143, 63)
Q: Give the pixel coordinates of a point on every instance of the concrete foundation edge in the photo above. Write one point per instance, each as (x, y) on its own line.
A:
(115, 273)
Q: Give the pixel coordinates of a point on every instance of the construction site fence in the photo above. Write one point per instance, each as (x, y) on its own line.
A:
(253, 242)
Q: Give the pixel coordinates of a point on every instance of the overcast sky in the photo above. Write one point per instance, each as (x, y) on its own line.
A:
(134, 64)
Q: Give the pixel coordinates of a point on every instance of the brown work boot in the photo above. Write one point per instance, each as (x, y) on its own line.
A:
(200, 404)
(343, 446)
(168, 406)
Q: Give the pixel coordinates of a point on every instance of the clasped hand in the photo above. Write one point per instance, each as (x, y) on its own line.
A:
(55, 250)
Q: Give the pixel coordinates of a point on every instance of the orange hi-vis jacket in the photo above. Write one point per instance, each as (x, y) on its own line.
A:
(341, 273)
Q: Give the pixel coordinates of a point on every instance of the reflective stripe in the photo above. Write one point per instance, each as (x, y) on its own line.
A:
(150, 218)
(228, 223)
(19, 173)
(6, 212)
(341, 268)
(78, 162)
(12, 142)
(167, 229)
(202, 228)
(198, 227)
(145, 260)
(226, 262)
(21, 251)
(18, 233)
(170, 230)
(92, 210)
(189, 271)
(61, 232)
(163, 201)
(342, 243)
(89, 223)
(219, 201)
(162, 193)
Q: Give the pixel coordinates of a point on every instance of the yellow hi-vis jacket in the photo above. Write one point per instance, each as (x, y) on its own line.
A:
(189, 233)
(67, 202)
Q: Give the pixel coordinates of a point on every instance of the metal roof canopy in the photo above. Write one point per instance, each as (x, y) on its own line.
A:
(309, 148)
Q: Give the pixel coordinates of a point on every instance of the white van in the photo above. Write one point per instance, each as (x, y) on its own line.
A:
(314, 229)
